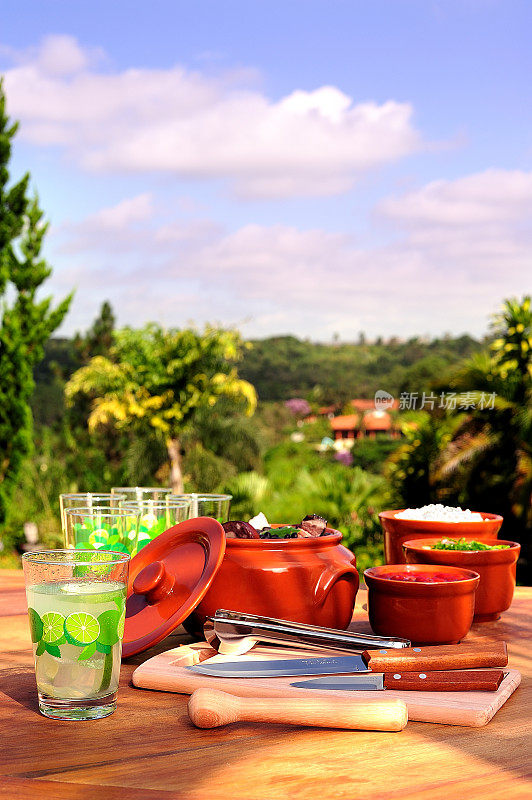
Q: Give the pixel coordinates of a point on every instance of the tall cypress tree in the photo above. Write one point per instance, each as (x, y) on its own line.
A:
(25, 322)
(99, 338)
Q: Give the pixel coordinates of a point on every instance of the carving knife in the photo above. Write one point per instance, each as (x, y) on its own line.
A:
(409, 659)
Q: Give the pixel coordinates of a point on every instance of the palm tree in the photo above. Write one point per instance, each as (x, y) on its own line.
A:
(250, 491)
(490, 454)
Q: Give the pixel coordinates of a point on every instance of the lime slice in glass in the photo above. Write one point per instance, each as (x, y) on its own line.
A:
(53, 626)
(82, 627)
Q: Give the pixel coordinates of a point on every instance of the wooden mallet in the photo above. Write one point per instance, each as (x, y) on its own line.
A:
(210, 708)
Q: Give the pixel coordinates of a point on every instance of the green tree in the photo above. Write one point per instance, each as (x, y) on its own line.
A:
(157, 380)
(410, 469)
(421, 376)
(26, 323)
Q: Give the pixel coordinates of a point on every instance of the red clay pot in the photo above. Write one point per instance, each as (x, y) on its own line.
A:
(495, 567)
(398, 531)
(303, 580)
(425, 613)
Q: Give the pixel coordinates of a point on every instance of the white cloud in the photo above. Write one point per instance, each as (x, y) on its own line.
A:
(61, 56)
(474, 229)
(125, 213)
(106, 227)
(495, 196)
(57, 55)
(441, 273)
(177, 121)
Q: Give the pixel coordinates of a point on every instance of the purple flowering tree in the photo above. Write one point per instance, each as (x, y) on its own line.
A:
(298, 406)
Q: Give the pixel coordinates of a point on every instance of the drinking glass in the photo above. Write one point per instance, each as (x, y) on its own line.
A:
(76, 608)
(86, 500)
(102, 528)
(155, 518)
(139, 493)
(207, 505)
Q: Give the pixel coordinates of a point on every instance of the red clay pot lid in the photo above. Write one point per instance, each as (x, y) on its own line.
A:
(168, 578)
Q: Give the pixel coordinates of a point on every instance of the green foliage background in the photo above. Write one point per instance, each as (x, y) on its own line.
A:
(256, 460)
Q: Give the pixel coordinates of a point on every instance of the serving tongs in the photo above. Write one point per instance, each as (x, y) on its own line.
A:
(234, 633)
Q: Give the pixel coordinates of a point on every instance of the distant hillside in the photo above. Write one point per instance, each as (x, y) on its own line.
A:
(284, 366)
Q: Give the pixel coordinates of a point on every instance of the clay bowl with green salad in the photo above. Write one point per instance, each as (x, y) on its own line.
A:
(494, 561)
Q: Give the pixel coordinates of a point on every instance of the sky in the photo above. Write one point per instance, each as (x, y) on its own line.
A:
(312, 167)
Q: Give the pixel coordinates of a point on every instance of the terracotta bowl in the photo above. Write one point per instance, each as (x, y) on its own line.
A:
(303, 580)
(425, 613)
(495, 567)
(398, 531)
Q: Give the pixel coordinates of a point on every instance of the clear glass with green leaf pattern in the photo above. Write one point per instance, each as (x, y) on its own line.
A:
(156, 518)
(76, 609)
(102, 528)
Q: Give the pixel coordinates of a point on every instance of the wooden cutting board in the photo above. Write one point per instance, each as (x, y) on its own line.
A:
(166, 672)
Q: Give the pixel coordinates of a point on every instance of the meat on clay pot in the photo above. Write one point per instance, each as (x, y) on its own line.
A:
(240, 530)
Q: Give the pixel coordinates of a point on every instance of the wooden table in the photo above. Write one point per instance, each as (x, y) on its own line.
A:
(149, 750)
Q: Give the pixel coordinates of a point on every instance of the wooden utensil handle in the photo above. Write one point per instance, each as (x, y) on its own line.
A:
(417, 659)
(210, 708)
(487, 680)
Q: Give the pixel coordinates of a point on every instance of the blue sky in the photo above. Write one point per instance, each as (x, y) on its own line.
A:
(304, 167)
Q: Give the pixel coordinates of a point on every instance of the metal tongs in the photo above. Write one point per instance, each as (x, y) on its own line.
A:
(233, 633)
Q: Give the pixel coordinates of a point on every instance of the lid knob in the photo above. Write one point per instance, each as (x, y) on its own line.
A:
(154, 582)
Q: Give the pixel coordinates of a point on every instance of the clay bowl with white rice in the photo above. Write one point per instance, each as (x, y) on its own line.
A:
(401, 524)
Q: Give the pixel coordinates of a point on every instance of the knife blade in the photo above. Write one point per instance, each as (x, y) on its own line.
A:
(281, 667)
(410, 659)
(486, 680)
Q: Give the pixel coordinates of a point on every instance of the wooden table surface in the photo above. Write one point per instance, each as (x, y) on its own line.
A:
(148, 750)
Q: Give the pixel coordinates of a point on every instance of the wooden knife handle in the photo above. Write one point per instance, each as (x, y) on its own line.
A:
(487, 680)
(451, 656)
(210, 708)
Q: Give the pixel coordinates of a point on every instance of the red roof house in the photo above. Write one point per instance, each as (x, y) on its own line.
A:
(346, 426)
(375, 422)
(355, 426)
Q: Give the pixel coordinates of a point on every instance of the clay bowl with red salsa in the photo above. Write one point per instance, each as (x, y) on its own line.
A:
(398, 531)
(427, 604)
(495, 567)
